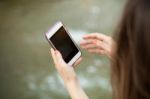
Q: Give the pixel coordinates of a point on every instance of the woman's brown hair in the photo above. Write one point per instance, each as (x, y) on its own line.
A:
(131, 64)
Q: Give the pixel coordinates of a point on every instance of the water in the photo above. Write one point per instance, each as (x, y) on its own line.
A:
(26, 68)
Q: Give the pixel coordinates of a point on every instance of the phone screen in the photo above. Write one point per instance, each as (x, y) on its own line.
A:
(62, 42)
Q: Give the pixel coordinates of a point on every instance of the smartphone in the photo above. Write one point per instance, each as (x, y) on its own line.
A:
(60, 39)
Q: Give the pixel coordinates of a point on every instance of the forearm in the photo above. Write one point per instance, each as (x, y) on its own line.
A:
(75, 90)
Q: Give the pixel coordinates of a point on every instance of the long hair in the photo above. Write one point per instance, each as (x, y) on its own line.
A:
(131, 64)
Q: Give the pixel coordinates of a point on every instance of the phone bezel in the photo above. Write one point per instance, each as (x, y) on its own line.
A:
(52, 31)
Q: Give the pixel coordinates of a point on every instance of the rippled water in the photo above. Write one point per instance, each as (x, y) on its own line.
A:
(26, 68)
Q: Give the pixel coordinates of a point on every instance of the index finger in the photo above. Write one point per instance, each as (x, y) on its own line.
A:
(98, 36)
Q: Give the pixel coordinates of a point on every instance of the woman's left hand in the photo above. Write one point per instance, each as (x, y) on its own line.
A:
(67, 72)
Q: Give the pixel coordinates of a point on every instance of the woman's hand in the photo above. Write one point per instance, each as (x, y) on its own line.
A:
(67, 72)
(98, 43)
(69, 76)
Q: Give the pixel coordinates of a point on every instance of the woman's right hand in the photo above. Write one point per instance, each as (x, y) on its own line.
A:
(98, 43)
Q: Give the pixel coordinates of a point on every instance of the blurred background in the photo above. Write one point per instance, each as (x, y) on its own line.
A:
(26, 68)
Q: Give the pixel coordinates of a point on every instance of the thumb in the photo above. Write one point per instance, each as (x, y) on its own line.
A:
(59, 57)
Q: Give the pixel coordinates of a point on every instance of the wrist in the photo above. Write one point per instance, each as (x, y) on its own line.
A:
(71, 81)
(75, 90)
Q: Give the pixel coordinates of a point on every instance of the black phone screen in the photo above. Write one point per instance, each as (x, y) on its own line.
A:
(63, 43)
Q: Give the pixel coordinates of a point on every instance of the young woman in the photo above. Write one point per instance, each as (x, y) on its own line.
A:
(129, 53)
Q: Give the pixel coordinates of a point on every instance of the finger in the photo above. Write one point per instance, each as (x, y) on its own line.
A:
(89, 46)
(53, 55)
(96, 44)
(97, 51)
(59, 57)
(77, 62)
(85, 42)
(98, 36)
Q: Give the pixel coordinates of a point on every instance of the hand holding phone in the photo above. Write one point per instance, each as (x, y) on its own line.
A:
(60, 39)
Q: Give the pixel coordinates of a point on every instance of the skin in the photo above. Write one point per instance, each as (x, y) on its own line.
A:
(69, 76)
(98, 43)
(93, 43)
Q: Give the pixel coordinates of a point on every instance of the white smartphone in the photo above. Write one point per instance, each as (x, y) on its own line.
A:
(60, 39)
